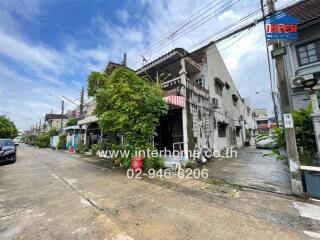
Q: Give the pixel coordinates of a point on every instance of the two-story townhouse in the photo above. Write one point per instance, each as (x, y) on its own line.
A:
(205, 108)
(303, 55)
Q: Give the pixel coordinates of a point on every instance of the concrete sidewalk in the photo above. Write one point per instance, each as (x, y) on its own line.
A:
(53, 195)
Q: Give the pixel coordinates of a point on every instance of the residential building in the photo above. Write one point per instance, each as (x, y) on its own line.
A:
(265, 120)
(205, 108)
(303, 55)
(53, 120)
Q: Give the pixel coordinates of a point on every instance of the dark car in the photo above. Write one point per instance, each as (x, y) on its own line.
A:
(8, 150)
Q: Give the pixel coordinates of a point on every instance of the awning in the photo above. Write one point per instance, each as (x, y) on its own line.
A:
(178, 101)
(89, 119)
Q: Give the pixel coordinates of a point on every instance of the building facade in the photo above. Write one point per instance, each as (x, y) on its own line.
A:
(303, 55)
(205, 108)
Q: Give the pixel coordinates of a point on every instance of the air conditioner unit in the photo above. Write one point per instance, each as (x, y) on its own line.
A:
(214, 102)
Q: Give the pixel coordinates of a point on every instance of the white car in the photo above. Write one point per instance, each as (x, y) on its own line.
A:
(268, 143)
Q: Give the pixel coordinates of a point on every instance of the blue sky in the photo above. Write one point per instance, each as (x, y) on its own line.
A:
(51, 46)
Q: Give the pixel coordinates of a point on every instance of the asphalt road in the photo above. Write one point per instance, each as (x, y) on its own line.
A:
(54, 195)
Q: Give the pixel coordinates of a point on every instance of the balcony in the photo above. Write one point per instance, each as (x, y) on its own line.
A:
(171, 86)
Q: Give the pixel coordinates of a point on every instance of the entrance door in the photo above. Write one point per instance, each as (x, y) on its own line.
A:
(169, 130)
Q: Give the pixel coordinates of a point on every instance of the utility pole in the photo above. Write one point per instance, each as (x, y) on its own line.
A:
(62, 117)
(81, 113)
(81, 102)
(125, 59)
(292, 151)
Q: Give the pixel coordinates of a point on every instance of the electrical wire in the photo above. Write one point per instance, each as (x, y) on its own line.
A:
(205, 18)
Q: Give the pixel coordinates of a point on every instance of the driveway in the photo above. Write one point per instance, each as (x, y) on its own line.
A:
(250, 168)
(54, 195)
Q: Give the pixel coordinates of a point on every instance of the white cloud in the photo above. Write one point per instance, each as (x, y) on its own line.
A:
(228, 15)
(123, 15)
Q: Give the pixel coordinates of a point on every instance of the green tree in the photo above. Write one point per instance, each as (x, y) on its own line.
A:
(127, 104)
(71, 122)
(53, 132)
(7, 128)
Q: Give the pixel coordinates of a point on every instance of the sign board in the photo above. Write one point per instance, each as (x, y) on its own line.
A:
(281, 26)
(288, 121)
(278, 52)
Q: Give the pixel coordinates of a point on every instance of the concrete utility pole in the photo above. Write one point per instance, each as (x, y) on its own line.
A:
(291, 144)
(62, 117)
(125, 59)
(81, 102)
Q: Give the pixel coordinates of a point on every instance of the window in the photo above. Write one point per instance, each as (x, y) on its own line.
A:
(218, 86)
(308, 53)
(222, 129)
(235, 100)
(199, 81)
(227, 86)
(238, 128)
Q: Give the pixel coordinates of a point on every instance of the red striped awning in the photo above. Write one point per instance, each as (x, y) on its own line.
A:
(178, 101)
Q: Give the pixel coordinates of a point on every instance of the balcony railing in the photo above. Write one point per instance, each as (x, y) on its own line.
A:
(197, 89)
(171, 83)
(191, 85)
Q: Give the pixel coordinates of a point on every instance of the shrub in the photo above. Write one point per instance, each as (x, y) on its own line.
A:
(153, 162)
(94, 149)
(42, 141)
(62, 142)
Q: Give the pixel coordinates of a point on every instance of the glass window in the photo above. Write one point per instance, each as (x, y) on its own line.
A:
(199, 81)
(308, 53)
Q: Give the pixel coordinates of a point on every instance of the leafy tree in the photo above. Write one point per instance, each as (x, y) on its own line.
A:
(127, 104)
(53, 132)
(7, 128)
(71, 122)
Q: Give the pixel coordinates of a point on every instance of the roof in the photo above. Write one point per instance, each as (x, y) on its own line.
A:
(50, 116)
(180, 51)
(113, 65)
(306, 11)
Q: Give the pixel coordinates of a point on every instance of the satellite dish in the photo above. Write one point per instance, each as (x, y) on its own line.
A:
(297, 82)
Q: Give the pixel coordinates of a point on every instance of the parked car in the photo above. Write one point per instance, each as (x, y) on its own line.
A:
(17, 139)
(265, 142)
(8, 150)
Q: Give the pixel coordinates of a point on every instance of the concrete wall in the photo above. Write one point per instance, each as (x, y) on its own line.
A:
(227, 112)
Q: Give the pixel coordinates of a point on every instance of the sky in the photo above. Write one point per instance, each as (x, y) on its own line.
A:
(50, 47)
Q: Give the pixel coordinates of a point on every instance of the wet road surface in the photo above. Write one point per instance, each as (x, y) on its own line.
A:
(252, 169)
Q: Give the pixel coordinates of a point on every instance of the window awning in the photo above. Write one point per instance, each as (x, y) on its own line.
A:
(177, 101)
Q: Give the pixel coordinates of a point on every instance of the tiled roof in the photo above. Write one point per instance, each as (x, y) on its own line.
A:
(306, 11)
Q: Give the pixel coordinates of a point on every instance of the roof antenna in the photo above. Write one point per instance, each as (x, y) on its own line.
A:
(143, 59)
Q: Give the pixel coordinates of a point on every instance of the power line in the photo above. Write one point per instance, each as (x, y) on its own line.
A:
(228, 35)
(218, 32)
(165, 37)
(200, 22)
(176, 35)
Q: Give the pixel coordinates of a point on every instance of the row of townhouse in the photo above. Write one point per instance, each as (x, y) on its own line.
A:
(205, 107)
